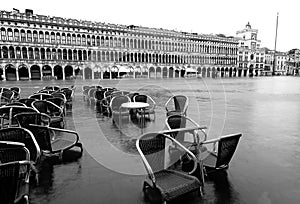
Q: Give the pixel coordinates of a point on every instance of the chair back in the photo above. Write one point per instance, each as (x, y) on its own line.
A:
(226, 148)
(57, 101)
(22, 135)
(99, 94)
(16, 103)
(13, 176)
(8, 112)
(117, 101)
(41, 96)
(42, 135)
(59, 95)
(16, 89)
(7, 96)
(47, 107)
(181, 103)
(13, 151)
(140, 98)
(27, 101)
(68, 93)
(152, 147)
(176, 122)
(25, 119)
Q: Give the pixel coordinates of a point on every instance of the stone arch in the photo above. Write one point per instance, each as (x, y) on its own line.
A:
(88, 73)
(165, 72)
(203, 72)
(222, 72)
(23, 72)
(46, 70)
(213, 73)
(10, 72)
(58, 72)
(208, 72)
(158, 72)
(152, 72)
(68, 72)
(35, 72)
(171, 72)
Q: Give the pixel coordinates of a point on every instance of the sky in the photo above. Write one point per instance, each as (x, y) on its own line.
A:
(206, 17)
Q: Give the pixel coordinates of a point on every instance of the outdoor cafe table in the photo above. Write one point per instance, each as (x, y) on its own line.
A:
(136, 105)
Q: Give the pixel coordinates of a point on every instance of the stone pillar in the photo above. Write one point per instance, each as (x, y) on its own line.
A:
(17, 74)
(4, 74)
(64, 74)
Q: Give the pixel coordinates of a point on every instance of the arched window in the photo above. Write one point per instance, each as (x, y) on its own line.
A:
(30, 53)
(69, 39)
(41, 34)
(52, 37)
(36, 54)
(3, 34)
(23, 36)
(63, 38)
(24, 53)
(73, 39)
(35, 36)
(16, 34)
(47, 37)
(10, 34)
(11, 52)
(78, 39)
(48, 54)
(43, 53)
(75, 55)
(57, 38)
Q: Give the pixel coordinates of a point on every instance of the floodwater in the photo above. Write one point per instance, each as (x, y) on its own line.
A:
(265, 168)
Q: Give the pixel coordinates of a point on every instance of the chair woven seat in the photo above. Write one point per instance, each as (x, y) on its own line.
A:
(60, 144)
(173, 183)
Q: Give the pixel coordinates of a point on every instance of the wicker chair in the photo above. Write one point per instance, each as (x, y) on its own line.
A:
(55, 141)
(164, 184)
(59, 102)
(22, 135)
(41, 96)
(6, 97)
(115, 105)
(69, 94)
(14, 182)
(27, 101)
(17, 92)
(146, 99)
(7, 113)
(177, 105)
(181, 121)
(25, 119)
(55, 112)
(220, 159)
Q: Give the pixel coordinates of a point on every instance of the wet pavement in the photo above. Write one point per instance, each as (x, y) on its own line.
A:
(264, 169)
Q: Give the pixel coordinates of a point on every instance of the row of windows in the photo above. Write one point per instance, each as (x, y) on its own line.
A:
(107, 56)
(246, 65)
(105, 41)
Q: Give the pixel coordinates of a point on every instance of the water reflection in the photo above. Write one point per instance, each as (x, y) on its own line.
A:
(264, 169)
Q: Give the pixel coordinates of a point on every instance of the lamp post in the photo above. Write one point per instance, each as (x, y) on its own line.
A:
(274, 64)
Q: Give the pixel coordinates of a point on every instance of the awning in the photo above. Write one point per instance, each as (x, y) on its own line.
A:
(124, 69)
(190, 70)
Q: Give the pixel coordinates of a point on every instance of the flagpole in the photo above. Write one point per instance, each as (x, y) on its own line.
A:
(274, 64)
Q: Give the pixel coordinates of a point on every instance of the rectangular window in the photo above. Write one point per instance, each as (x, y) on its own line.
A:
(23, 37)
(3, 35)
(29, 37)
(10, 36)
(17, 36)
(69, 40)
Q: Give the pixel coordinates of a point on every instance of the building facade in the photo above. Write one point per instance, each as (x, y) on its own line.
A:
(37, 46)
(251, 58)
(293, 62)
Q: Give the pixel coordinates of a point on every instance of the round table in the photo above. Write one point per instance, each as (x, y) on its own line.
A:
(136, 105)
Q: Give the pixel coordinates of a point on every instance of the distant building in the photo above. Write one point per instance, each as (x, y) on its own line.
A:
(280, 63)
(293, 62)
(251, 57)
(37, 46)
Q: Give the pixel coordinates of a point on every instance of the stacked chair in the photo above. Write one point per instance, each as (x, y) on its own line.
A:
(31, 130)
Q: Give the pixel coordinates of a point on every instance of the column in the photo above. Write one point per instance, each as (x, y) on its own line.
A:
(64, 74)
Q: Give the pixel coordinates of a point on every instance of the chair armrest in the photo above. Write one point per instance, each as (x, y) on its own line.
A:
(188, 151)
(146, 164)
(166, 104)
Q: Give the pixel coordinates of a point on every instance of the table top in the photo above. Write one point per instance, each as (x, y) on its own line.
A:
(135, 105)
